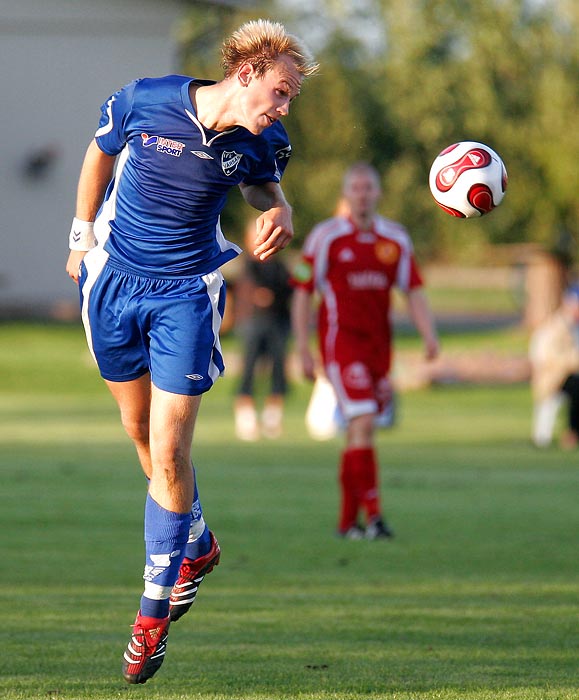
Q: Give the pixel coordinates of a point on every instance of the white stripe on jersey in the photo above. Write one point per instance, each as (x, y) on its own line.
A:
(201, 128)
(107, 211)
(222, 242)
(106, 128)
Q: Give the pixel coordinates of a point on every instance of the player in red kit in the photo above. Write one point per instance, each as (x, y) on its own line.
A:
(352, 261)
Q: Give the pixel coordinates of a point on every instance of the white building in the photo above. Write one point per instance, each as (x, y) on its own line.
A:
(60, 60)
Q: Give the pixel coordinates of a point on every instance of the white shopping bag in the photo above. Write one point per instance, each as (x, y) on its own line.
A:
(321, 414)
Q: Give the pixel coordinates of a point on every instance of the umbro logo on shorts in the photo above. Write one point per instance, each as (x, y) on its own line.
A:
(194, 377)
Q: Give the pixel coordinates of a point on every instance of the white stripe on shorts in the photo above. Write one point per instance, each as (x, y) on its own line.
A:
(94, 262)
(214, 283)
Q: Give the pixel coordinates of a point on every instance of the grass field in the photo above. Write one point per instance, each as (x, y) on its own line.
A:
(476, 598)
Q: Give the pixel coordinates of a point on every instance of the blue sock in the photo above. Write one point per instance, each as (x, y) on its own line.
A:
(199, 540)
(165, 539)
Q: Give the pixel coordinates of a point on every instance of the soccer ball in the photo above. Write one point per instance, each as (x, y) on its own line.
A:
(468, 179)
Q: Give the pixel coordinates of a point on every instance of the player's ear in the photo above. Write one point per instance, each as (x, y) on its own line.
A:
(245, 73)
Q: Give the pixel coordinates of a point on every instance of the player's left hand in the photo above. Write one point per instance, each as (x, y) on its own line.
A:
(73, 263)
(432, 348)
(274, 231)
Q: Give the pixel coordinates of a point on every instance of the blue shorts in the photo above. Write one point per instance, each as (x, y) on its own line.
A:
(168, 327)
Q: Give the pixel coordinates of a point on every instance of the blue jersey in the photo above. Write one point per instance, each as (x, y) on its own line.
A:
(160, 217)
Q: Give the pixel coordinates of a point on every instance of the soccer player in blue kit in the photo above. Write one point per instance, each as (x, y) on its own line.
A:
(146, 247)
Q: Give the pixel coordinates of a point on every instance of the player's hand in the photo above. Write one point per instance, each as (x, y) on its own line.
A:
(431, 349)
(308, 364)
(274, 231)
(73, 263)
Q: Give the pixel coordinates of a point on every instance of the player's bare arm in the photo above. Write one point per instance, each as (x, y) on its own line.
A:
(301, 311)
(274, 228)
(96, 173)
(419, 311)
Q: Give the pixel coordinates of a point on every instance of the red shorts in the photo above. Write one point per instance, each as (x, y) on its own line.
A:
(357, 367)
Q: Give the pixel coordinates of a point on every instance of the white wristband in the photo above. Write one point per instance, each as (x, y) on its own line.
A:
(81, 235)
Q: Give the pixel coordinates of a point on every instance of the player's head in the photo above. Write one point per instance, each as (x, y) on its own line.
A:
(267, 66)
(261, 43)
(361, 190)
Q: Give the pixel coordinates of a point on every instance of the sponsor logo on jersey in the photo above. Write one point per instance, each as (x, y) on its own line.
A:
(202, 155)
(387, 252)
(230, 161)
(163, 145)
(356, 376)
(367, 279)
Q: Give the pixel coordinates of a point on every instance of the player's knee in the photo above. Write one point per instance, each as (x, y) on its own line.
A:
(137, 429)
(360, 431)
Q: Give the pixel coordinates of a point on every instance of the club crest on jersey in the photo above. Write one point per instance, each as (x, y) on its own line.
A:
(387, 252)
(163, 145)
(229, 161)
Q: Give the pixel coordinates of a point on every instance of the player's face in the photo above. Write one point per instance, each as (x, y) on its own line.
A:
(267, 98)
(362, 193)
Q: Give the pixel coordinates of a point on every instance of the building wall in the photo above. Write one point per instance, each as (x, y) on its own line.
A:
(60, 61)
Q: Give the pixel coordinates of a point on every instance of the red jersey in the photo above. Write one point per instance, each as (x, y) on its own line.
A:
(354, 272)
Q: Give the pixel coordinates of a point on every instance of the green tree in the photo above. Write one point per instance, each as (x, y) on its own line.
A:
(402, 79)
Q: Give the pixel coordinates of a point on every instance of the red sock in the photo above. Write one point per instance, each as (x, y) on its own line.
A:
(366, 476)
(349, 491)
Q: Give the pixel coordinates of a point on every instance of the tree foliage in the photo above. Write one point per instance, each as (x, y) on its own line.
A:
(402, 79)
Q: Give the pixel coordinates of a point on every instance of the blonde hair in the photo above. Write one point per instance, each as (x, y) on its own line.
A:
(261, 43)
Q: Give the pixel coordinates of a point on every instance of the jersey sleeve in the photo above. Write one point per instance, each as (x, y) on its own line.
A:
(302, 276)
(280, 146)
(110, 135)
(415, 277)
(276, 153)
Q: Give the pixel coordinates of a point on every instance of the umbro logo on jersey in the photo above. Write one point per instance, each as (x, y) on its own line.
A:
(194, 377)
(230, 161)
(202, 154)
(163, 145)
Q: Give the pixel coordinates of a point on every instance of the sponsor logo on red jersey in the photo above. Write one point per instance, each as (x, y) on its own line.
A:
(367, 279)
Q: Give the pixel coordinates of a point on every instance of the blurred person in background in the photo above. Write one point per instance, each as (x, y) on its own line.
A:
(353, 261)
(146, 248)
(554, 357)
(262, 319)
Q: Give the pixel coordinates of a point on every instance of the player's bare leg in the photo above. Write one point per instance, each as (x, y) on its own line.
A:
(172, 423)
(134, 401)
(161, 426)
